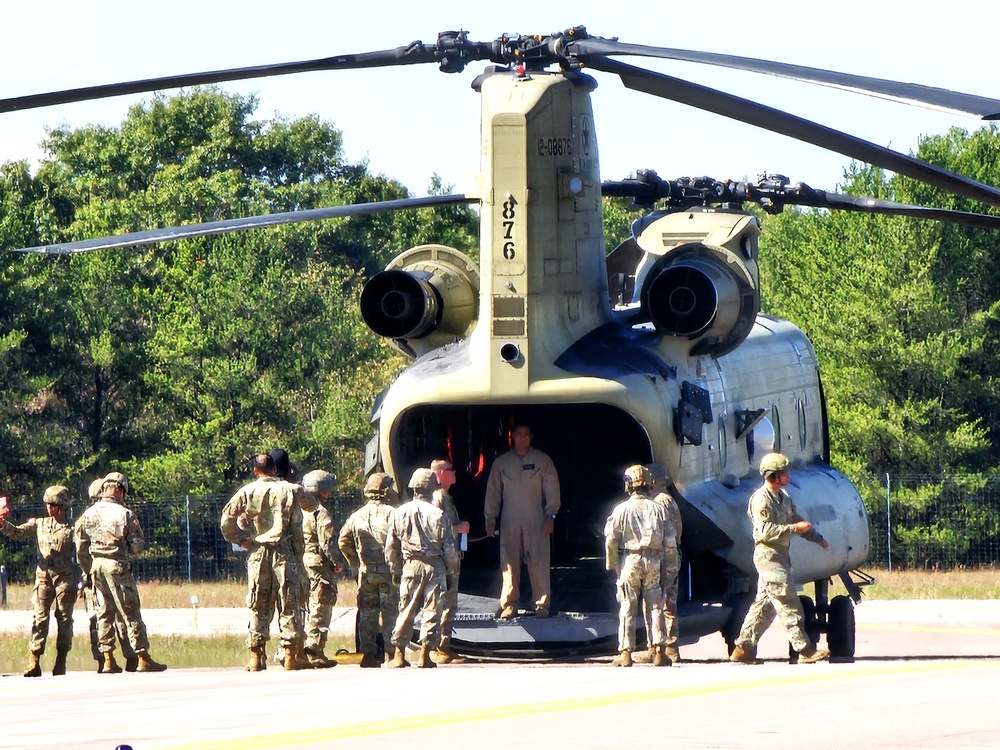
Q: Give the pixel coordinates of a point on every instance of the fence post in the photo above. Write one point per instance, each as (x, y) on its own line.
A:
(888, 524)
(187, 523)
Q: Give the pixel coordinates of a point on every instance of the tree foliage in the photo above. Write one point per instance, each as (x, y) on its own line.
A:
(175, 362)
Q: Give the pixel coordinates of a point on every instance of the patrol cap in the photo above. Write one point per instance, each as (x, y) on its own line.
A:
(319, 481)
(638, 476)
(117, 479)
(57, 495)
(774, 462)
(94, 491)
(424, 479)
(378, 485)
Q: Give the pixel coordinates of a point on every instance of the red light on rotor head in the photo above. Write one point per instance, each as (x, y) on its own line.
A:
(519, 69)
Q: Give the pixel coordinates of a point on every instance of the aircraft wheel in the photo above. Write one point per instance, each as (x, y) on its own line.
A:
(841, 628)
(739, 603)
(811, 624)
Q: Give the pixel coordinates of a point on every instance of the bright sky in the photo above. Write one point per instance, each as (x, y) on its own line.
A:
(414, 121)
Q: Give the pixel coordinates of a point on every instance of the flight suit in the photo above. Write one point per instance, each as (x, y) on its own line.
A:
(773, 516)
(641, 528)
(526, 490)
(267, 513)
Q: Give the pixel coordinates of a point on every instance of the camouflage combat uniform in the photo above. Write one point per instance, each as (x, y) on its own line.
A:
(641, 527)
(443, 501)
(107, 535)
(420, 550)
(320, 559)
(773, 516)
(671, 569)
(266, 513)
(56, 579)
(362, 542)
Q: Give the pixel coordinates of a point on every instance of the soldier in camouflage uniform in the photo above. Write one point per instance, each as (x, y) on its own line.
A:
(321, 561)
(671, 568)
(264, 517)
(641, 527)
(445, 473)
(107, 535)
(362, 542)
(775, 520)
(56, 577)
(90, 599)
(420, 550)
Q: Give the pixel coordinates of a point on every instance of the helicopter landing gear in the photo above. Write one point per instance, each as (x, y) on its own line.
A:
(840, 629)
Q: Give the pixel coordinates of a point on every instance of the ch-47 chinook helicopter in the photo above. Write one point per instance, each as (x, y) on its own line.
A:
(656, 352)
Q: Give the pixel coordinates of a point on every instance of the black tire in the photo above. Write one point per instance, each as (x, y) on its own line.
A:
(841, 628)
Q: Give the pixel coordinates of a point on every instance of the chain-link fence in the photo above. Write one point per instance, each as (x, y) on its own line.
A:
(915, 522)
(183, 539)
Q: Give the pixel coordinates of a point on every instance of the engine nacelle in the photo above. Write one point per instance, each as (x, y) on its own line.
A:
(426, 297)
(702, 292)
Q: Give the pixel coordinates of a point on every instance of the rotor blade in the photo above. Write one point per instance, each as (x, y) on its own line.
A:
(823, 199)
(410, 55)
(254, 222)
(784, 123)
(908, 93)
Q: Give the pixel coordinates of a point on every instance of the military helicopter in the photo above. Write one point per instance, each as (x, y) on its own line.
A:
(654, 353)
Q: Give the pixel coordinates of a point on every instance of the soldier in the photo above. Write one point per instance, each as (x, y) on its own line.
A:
(420, 550)
(321, 561)
(445, 473)
(56, 578)
(264, 518)
(523, 484)
(90, 599)
(774, 520)
(641, 527)
(362, 542)
(107, 536)
(671, 569)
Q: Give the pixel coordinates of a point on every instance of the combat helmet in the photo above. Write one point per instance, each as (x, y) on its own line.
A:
(319, 481)
(637, 477)
(117, 479)
(378, 485)
(57, 495)
(774, 462)
(424, 480)
(94, 491)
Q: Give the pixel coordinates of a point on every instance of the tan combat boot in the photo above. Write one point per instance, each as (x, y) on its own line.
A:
(289, 662)
(660, 658)
(258, 659)
(399, 659)
(810, 654)
(34, 668)
(317, 659)
(370, 661)
(59, 668)
(673, 653)
(110, 665)
(624, 659)
(146, 663)
(424, 657)
(444, 655)
(741, 656)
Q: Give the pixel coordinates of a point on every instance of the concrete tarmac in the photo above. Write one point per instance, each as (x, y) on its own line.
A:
(925, 676)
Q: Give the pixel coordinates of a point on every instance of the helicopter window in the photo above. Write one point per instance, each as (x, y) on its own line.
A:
(776, 425)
